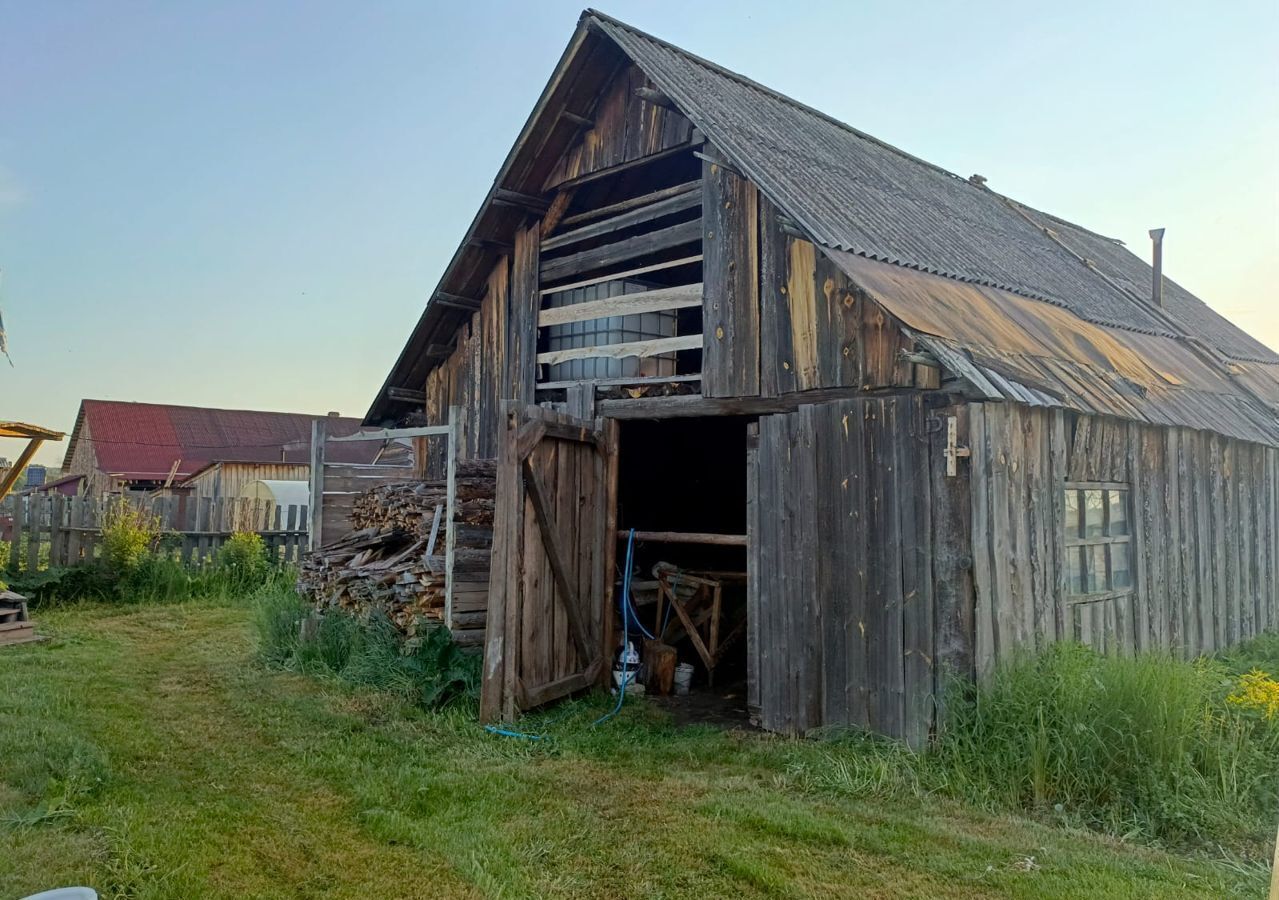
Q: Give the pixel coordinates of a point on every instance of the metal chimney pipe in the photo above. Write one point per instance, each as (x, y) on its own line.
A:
(1157, 276)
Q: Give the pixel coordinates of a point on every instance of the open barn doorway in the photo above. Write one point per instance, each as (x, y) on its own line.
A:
(682, 488)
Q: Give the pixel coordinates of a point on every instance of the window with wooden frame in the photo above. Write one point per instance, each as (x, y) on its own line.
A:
(1098, 540)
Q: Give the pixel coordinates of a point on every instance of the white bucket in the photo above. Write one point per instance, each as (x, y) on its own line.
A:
(683, 677)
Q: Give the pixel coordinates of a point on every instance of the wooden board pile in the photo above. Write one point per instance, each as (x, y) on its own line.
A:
(390, 562)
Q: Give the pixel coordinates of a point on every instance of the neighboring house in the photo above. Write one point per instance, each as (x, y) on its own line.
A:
(67, 485)
(931, 424)
(118, 446)
(229, 478)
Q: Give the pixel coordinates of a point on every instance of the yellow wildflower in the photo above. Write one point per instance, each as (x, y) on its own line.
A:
(1258, 691)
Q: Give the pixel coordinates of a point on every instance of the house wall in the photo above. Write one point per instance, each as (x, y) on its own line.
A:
(84, 461)
(1205, 537)
(781, 318)
(228, 479)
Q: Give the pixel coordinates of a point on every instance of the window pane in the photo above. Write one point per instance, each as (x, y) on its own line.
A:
(1094, 511)
(1075, 570)
(1096, 580)
(1072, 515)
(1118, 502)
(1120, 566)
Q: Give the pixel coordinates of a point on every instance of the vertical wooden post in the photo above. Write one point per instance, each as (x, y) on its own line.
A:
(319, 434)
(11, 477)
(457, 423)
(57, 531)
(37, 512)
(607, 553)
(19, 521)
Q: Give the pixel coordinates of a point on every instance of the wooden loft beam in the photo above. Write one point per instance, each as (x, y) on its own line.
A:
(646, 213)
(623, 205)
(626, 166)
(654, 347)
(622, 251)
(658, 300)
(696, 406)
(579, 121)
(629, 273)
(686, 537)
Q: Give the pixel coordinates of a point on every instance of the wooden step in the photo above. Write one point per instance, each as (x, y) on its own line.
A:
(18, 633)
(10, 615)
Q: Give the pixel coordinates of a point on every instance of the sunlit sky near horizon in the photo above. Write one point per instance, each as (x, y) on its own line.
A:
(245, 204)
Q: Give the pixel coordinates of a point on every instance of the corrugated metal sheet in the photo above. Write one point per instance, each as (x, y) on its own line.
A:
(852, 192)
(1013, 348)
(143, 440)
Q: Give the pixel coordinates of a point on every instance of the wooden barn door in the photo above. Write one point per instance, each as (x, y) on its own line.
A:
(554, 540)
(840, 595)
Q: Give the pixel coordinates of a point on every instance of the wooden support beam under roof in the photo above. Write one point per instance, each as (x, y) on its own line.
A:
(405, 395)
(580, 121)
(444, 298)
(656, 97)
(489, 244)
(505, 197)
(437, 351)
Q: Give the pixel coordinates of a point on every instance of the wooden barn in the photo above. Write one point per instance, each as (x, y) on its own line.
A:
(871, 421)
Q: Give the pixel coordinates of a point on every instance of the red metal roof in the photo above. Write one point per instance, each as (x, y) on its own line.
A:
(142, 440)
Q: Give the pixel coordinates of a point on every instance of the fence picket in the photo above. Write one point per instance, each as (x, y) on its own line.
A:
(56, 530)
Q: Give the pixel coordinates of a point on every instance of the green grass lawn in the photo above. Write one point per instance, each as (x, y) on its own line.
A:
(145, 752)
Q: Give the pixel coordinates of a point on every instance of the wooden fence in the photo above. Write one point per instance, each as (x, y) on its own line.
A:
(55, 530)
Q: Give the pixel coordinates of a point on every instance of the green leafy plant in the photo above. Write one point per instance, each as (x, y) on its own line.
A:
(428, 670)
(128, 536)
(243, 558)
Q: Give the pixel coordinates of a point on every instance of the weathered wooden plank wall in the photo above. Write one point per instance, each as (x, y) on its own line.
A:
(624, 128)
(730, 272)
(1204, 533)
(842, 553)
(816, 329)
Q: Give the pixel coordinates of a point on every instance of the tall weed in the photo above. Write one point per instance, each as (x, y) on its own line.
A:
(428, 670)
(1146, 746)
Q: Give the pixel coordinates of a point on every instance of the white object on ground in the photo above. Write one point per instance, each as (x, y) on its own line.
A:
(66, 893)
(683, 678)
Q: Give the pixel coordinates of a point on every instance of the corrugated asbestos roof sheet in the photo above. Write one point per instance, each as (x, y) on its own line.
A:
(1014, 348)
(1032, 308)
(852, 192)
(142, 440)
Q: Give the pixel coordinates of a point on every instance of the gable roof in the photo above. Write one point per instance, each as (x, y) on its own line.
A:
(142, 440)
(858, 197)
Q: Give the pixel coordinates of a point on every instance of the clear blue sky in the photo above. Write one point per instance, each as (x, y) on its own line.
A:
(245, 204)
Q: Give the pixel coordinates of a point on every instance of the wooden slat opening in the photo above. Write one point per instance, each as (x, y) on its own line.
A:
(622, 251)
(681, 297)
(623, 350)
(647, 213)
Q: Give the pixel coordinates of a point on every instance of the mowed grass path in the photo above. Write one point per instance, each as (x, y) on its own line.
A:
(145, 752)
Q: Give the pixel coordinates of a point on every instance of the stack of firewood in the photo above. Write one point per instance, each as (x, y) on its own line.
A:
(390, 561)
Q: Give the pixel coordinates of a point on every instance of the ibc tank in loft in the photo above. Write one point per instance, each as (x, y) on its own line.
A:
(613, 330)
